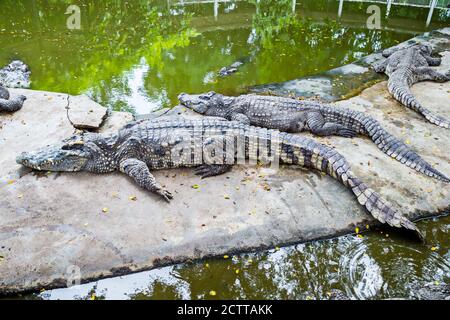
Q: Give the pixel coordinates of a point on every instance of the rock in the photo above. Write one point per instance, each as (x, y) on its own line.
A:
(85, 113)
(53, 229)
(15, 75)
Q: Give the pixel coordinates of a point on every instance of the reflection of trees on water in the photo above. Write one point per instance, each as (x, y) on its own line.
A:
(114, 38)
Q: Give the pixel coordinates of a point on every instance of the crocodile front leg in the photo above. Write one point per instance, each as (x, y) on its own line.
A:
(139, 172)
(426, 73)
(380, 67)
(240, 117)
(434, 62)
(318, 126)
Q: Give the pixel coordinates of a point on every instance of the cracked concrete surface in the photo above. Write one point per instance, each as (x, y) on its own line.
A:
(52, 224)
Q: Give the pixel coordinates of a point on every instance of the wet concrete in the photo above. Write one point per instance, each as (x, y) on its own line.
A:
(57, 229)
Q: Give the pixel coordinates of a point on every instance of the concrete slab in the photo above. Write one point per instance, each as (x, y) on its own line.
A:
(57, 229)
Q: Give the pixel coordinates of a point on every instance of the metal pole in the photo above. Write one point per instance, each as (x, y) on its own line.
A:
(341, 4)
(388, 9)
(430, 14)
(216, 9)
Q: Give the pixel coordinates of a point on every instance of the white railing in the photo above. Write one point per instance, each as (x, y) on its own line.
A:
(432, 4)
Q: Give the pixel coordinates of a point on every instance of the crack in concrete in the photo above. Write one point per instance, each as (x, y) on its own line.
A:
(67, 111)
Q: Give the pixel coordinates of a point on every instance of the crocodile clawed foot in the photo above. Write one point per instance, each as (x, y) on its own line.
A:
(347, 133)
(165, 194)
(204, 171)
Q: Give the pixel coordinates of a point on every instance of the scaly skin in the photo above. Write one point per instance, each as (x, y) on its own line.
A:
(291, 115)
(406, 67)
(145, 146)
(10, 105)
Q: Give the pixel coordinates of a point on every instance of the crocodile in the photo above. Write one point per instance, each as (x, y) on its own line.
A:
(407, 66)
(290, 115)
(233, 68)
(10, 105)
(211, 146)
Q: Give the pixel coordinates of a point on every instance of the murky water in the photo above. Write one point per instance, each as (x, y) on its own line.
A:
(138, 56)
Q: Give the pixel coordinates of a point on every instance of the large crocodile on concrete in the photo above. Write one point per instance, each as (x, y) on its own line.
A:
(10, 105)
(292, 115)
(211, 145)
(407, 66)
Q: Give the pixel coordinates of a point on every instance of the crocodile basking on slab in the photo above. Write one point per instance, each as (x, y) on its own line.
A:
(212, 146)
(408, 66)
(291, 115)
(10, 105)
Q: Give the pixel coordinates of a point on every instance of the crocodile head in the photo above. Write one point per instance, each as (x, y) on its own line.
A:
(208, 104)
(73, 154)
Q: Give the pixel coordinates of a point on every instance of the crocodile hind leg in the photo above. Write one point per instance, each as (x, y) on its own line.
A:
(426, 73)
(139, 172)
(218, 155)
(380, 67)
(240, 117)
(318, 126)
(206, 171)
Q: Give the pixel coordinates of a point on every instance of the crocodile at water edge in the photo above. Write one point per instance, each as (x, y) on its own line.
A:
(291, 115)
(408, 66)
(144, 146)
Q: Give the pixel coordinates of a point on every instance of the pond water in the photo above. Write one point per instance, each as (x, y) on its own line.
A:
(139, 55)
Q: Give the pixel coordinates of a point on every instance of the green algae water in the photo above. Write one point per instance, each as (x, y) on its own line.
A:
(139, 55)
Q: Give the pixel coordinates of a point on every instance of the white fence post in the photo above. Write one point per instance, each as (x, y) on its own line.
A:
(341, 5)
(216, 9)
(430, 14)
(388, 9)
(294, 5)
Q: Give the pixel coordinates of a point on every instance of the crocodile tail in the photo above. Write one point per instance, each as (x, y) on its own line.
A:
(11, 105)
(329, 161)
(399, 87)
(379, 208)
(399, 150)
(338, 167)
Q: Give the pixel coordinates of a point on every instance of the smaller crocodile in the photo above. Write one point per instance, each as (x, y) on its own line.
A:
(10, 105)
(211, 145)
(233, 68)
(407, 66)
(290, 115)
